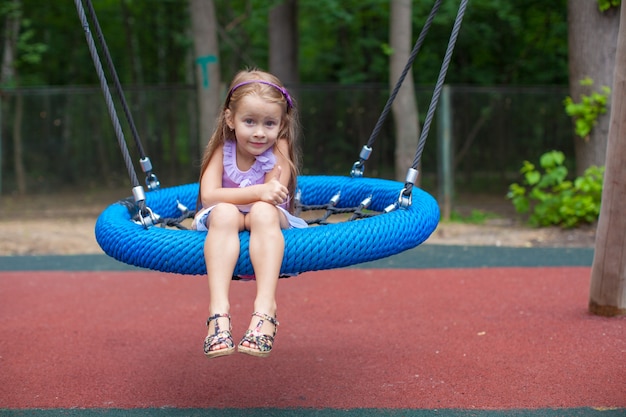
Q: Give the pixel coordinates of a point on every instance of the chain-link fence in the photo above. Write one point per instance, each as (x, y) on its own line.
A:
(66, 140)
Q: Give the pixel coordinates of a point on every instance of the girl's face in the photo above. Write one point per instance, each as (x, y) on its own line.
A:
(256, 123)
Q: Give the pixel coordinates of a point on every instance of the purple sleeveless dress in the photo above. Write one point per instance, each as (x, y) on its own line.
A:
(233, 177)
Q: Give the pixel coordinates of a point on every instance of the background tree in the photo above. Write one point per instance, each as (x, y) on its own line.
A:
(608, 273)
(11, 11)
(204, 29)
(503, 42)
(592, 38)
(19, 47)
(345, 42)
(404, 107)
(283, 41)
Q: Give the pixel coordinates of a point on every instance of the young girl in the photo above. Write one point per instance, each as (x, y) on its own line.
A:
(248, 177)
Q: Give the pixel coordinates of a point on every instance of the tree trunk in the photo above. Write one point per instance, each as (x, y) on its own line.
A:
(8, 76)
(608, 273)
(592, 38)
(404, 106)
(18, 150)
(11, 32)
(204, 29)
(283, 34)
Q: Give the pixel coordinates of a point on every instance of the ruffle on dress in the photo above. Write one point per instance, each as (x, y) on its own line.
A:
(263, 164)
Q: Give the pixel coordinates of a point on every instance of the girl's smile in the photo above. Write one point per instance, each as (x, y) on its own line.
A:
(256, 123)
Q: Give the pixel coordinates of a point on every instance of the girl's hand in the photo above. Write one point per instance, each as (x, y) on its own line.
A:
(273, 191)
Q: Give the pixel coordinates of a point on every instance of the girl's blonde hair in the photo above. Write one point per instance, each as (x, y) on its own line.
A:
(269, 88)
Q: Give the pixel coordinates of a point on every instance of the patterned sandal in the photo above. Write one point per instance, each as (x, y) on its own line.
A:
(218, 337)
(263, 342)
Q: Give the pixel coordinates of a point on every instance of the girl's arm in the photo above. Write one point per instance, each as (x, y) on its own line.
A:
(212, 192)
(281, 169)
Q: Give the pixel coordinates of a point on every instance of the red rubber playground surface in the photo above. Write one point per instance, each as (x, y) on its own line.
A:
(497, 338)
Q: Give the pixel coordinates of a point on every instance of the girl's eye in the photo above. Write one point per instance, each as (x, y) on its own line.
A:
(270, 124)
(248, 121)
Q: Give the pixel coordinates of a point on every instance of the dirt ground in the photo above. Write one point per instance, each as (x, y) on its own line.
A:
(63, 224)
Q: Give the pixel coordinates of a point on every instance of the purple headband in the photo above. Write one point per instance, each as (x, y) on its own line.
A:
(283, 90)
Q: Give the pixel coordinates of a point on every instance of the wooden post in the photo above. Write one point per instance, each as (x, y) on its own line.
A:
(445, 164)
(608, 273)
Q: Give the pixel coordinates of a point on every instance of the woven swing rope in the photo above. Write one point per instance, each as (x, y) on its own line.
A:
(310, 249)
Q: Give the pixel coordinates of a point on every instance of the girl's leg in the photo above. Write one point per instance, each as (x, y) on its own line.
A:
(267, 247)
(221, 252)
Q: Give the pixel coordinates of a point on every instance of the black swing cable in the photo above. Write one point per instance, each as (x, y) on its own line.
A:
(357, 168)
(437, 92)
(146, 215)
(404, 198)
(151, 180)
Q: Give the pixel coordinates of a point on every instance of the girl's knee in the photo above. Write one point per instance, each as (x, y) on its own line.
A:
(264, 213)
(261, 207)
(224, 214)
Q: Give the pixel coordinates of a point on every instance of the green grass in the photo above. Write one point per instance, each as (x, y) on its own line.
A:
(475, 217)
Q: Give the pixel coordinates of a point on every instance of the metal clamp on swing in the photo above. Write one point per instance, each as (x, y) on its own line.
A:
(151, 179)
(405, 198)
(358, 167)
(145, 216)
(184, 211)
(365, 203)
(358, 213)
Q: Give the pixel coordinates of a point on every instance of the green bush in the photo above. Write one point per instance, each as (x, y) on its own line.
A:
(552, 199)
(586, 112)
(605, 5)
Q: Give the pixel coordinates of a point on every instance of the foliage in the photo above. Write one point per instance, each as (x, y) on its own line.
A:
(29, 50)
(475, 217)
(344, 41)
(148, 41)
(586, 112)
(605, 5)
(552, 198)
(526, 40)
(347, 43)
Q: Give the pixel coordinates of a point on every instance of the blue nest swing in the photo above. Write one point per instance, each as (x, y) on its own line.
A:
(399, 216)
(314, 248)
